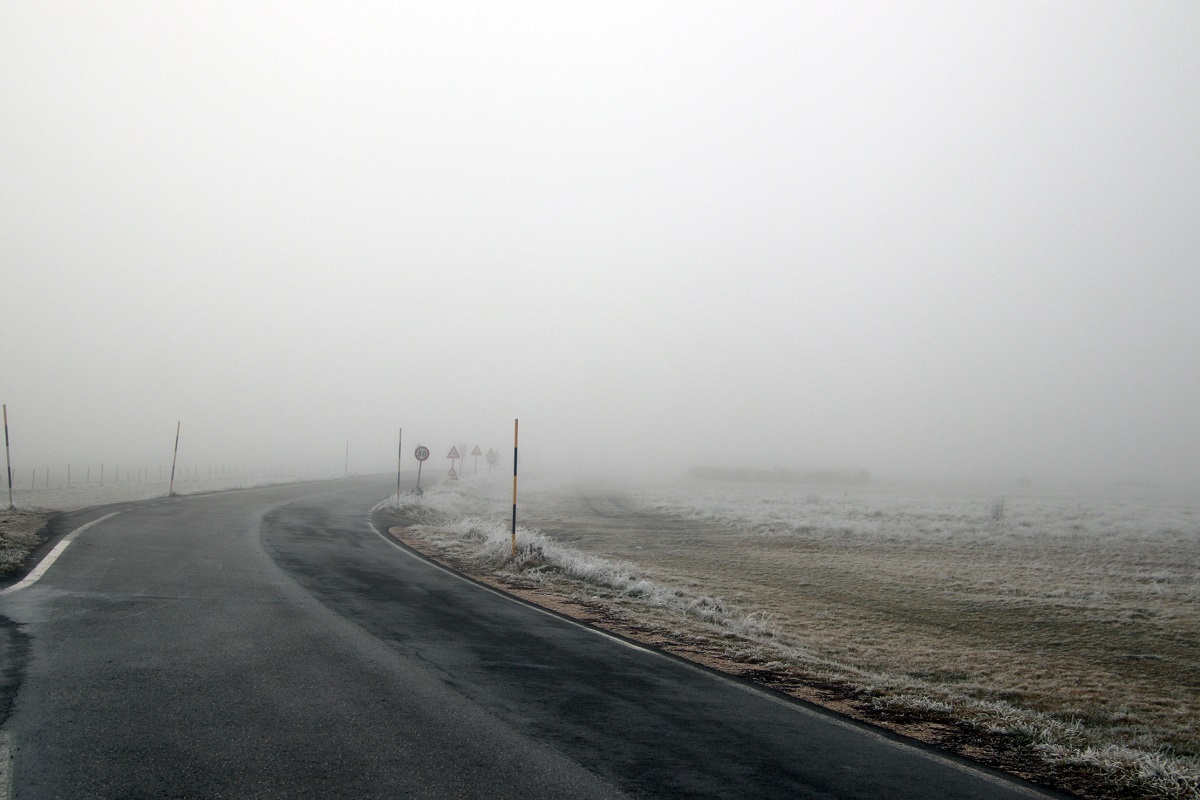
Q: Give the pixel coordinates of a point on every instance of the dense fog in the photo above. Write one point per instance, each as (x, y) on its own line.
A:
(929, 240)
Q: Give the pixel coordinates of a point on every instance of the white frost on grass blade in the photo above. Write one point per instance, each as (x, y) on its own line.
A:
(1154, 773)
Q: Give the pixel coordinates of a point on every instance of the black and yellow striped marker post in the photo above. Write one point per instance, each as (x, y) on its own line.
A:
(516, 423)
(171, 485)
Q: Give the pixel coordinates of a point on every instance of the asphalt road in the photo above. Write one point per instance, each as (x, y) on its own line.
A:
(272, 643)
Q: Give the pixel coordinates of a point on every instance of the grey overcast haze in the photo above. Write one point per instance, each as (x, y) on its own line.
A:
(930, 240)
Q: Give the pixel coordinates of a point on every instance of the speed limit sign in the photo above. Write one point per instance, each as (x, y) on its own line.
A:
(421, 453)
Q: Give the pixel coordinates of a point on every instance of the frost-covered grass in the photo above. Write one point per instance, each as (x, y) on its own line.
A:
(20, 532)
(463, 519)
(1068, 625)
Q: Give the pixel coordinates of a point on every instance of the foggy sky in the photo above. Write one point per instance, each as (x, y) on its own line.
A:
(923, 239)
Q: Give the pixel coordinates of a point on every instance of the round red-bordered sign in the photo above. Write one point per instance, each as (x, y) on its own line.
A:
(421, 453)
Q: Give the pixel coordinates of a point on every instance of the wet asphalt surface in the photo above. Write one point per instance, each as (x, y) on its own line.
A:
(271, 643)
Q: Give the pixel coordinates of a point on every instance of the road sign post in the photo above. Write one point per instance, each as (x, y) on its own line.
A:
(421, 454)
(453, 456)
(477, 453)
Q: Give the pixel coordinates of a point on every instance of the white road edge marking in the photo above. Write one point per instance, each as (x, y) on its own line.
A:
(49, 560)
(6, 739)
(1013, 783)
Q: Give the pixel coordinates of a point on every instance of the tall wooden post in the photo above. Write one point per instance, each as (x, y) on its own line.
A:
(174, 457)
(7, 457)
(516, 423)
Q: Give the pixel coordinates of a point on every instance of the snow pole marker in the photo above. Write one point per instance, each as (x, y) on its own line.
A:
(516, 423)
(171, 485)
(7, 456)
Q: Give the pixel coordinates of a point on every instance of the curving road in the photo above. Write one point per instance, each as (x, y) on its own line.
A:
(271, 643)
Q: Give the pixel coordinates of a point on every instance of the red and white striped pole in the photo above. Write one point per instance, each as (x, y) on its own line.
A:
(171, 485)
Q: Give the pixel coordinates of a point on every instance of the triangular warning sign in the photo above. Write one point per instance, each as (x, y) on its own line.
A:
(453, 474)
(476, 451)
(454, 453)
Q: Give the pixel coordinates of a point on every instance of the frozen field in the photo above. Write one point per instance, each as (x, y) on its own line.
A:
(1067, 625)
